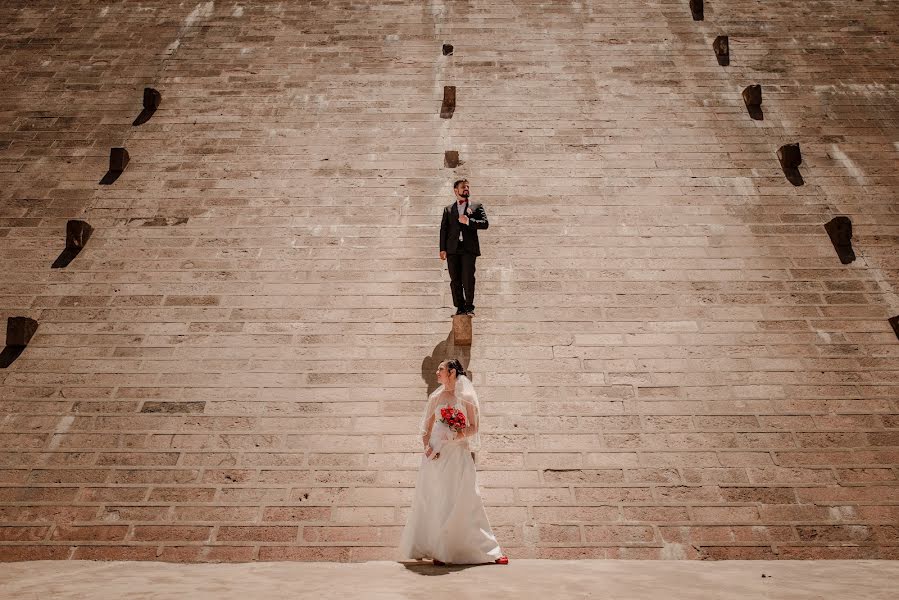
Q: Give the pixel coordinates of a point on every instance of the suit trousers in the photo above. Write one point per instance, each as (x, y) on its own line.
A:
(461, 270)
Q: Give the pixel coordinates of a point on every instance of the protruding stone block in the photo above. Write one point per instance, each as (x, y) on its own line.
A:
(790, 156)
(152, 100)
(462, 330)
(77, 234)
(451, 159)
(752, 97)
(447, 49)
(19, 331)
(894, 323)
(840, 231)
(722, 50)
(449, 102)
(118, 160)
(697, 10)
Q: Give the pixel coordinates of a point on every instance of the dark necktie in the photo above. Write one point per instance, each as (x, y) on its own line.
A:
(461, 208)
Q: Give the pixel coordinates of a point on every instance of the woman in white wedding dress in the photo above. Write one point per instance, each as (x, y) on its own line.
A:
(447, 522)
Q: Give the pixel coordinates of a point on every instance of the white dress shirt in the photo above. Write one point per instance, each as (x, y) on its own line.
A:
(462, 209)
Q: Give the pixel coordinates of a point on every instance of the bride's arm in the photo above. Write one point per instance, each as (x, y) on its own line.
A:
(426, 438)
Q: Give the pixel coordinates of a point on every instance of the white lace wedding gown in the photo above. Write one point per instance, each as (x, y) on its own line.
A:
(447, 521)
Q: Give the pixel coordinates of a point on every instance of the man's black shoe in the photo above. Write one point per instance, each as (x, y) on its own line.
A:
(460, 311)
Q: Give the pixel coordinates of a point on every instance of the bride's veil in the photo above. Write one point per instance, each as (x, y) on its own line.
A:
(471, 407)
(467, 401)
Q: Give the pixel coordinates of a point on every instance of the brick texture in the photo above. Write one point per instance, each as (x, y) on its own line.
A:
(673, 361)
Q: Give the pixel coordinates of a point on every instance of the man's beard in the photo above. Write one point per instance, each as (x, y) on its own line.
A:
(465, 195)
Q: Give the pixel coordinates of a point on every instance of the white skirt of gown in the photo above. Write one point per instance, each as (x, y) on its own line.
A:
(447, 521)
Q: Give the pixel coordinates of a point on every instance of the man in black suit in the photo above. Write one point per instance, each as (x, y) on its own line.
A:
(459, 245)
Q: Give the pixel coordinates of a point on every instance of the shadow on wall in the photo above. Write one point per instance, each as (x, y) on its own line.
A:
(442, 351)
(794, 176)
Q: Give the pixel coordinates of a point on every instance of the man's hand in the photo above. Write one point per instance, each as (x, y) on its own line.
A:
(442, 255)
(463, 219)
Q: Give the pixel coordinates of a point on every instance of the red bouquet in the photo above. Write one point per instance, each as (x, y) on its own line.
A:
(454, 419)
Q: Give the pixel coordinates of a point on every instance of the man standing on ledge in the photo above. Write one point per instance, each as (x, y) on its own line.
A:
(459, 245)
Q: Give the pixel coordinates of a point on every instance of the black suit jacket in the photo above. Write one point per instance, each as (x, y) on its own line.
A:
(450, 228)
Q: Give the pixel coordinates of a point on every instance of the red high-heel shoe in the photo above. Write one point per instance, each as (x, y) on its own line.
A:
(502, 560)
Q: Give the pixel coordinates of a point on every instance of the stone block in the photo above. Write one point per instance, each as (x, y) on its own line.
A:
(790, 158)
(77, 234)
(449, 102)
(722, 50)
(118, 160)
(840, 231)
(462, 333)
(697, 10)
(752, 97)
(152, 100)
(451, 159)
(19, 331)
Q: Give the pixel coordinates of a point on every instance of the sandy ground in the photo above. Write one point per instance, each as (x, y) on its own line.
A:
(550, 580)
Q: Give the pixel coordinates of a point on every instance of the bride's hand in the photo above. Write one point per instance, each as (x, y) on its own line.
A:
(430, 451)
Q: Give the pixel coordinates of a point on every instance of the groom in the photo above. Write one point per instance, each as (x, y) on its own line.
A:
(459, 245)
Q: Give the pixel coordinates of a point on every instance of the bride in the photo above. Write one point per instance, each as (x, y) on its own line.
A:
(448, 523)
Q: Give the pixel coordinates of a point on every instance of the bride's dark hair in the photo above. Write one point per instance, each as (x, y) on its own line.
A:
(455, 365)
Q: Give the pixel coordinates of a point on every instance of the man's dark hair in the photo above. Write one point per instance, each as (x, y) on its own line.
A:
(455, 185)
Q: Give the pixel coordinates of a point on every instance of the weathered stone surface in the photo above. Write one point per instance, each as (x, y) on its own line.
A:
(173, 407)
(666, 342)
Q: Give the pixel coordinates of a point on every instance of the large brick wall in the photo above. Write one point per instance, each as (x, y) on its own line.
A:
(672, 359)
